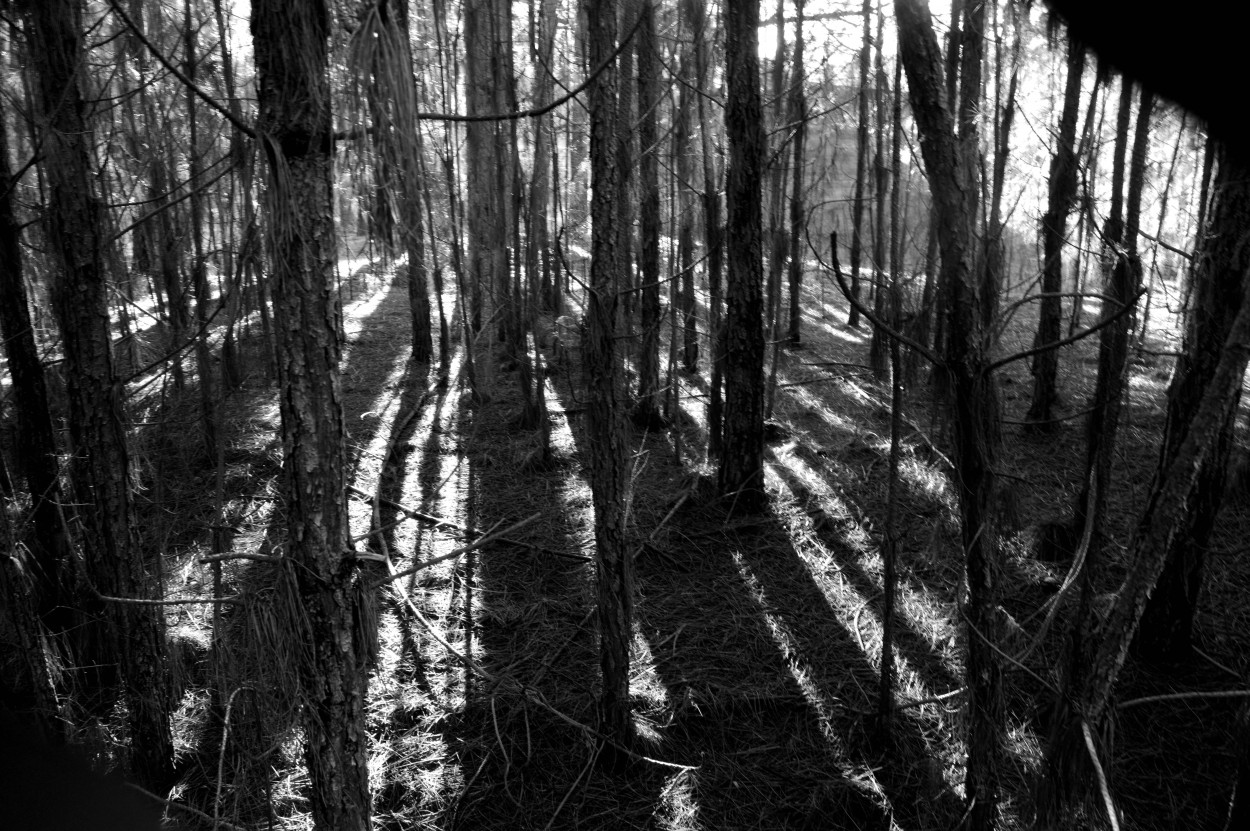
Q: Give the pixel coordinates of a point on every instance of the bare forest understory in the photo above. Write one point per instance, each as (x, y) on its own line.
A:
(757, 639)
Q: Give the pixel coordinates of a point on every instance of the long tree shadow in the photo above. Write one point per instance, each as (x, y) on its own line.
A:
(768, 689)
(746, 678)
(912, 644)
(252, 702)
(529, 599)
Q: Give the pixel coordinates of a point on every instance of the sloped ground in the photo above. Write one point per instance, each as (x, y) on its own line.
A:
(757, 639)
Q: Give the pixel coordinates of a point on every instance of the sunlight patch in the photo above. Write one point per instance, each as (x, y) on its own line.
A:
(679, 809)
(644, 682)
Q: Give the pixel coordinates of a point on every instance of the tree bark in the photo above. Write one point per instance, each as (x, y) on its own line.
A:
(485, 93)
(701, 29)
(291, 46)
(36, 441)
(861, 163)
(741, 473)
(878, 357)
(1218, 276)
(1087, 693)
(1123, 277)
(199, 265)
(952, 164)
(406, 138)
(75, 227)
(647, 410)
(1062, 191)
(604, 430)
(798, 116)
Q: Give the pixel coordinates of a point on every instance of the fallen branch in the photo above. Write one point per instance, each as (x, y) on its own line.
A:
(451, 555)
(443, 523)
(1151, 699)
(1102, 777)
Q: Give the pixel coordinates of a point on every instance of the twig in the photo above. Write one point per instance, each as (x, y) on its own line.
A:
(569, 792)
(933, 699)
(486, 540)
(260, 558)
(1216, 663)
(412, 512)
(1005, 656)
(180, 601)
(1102, 777)
(221, 756)
(1046, 347)
(217, 823)
(919, 348)
(444, 523)
(533, 112)
(1151, 699)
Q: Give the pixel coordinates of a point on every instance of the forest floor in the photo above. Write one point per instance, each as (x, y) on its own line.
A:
(756, 639)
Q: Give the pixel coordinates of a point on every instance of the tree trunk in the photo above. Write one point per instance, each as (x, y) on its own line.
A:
(952, 164)
(36, 441)
(604, 432)
(992, 262)
(878, 357)
(406, 138)
(713, 235)
(199, 265)
(776, 169)
(1123, 277)
(1218, 276)
(75, 227)
(741, 474)
(538, 263)
(861, 163)
(485, 93)
(291, 46)
(1063, 170)
(1086, 696)
(647, 410)
(798, 116)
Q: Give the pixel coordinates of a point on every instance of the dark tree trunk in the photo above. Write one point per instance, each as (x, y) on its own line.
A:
(702, 33)
(487, 267)
(291, 45)
(992, 276)
(861, 163)
(683, 291)
(878, 357)
(75, 227)
(406, 141)
(741, 474)
(538, 264)
(1063, 170)
(36, 441)
(199, 265)
(647, 411)
(1087, 695)
(604, 430)
(1124, 275)
(625, 155)
(1218, 276)
(798, 116)
(952, 164)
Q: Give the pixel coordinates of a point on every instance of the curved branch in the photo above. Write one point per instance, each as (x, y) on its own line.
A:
(864, 310)
(187, 82)
(1028, 353)
(533, 112)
